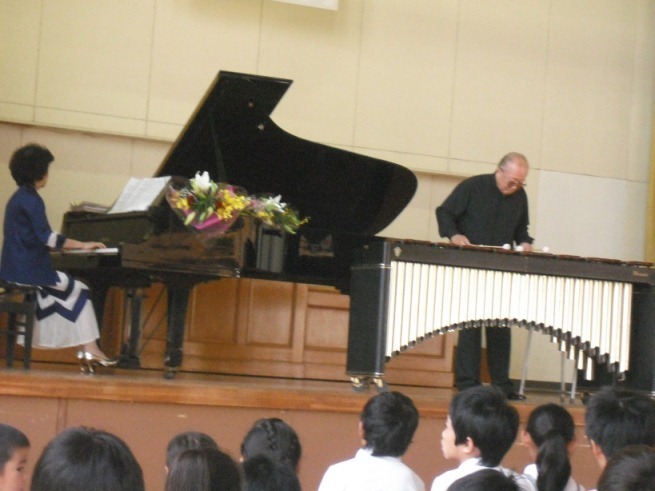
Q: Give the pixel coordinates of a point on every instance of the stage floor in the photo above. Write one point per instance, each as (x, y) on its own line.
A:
(143, 385)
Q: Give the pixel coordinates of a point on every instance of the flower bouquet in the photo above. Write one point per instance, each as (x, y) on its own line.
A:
(213, 208)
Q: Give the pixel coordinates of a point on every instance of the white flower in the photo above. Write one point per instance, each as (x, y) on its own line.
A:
(274, 203)
(202, 181)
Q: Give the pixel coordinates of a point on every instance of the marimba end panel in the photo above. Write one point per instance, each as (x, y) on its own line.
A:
(641, 375)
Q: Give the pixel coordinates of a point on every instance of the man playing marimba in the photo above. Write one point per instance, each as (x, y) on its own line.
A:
(492, 210)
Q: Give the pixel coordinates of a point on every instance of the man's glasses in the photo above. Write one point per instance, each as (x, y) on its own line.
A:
(513, 182)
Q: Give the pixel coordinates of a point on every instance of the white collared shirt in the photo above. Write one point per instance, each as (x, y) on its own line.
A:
(366, 472)
(469, 466)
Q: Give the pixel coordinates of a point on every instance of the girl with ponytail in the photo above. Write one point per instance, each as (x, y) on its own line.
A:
(550, 438)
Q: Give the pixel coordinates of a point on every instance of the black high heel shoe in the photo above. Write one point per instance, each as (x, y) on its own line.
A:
(88, 361)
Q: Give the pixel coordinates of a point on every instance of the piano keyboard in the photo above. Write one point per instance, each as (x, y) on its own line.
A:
(590, 315)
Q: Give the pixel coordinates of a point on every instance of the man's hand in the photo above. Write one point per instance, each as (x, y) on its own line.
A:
(460, 240)
(527, 247)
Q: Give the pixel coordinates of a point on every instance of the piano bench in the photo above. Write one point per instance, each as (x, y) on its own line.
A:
(18, 311)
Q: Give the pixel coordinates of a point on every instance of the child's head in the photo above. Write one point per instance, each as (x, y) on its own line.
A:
(186, 440)
(262, 474)
(631, 468)
(203, 468)
(273, 438)
(549, 436)
(616, 418)
(485, 480)
(87, 458)
(388, 422)
(14, 450)
(481, 424)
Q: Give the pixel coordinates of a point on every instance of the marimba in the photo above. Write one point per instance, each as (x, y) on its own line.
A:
(403, 292)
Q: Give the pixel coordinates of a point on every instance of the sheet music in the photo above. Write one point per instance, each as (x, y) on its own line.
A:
(139, 194)
(109, 251)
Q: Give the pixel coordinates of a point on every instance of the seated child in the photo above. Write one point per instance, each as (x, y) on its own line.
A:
(14, 451)
(203, 468)
(550, 437)
(631, 468)
(184, 441)
(616, 418)
(386, 427)
(480, 428)
(260, 473)
(275, 439)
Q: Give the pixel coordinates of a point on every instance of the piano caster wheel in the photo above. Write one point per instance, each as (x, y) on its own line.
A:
(171, 372)
(380, 385)
(360, 384)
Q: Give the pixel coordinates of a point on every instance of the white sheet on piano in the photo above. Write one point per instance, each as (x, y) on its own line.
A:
(104, 250)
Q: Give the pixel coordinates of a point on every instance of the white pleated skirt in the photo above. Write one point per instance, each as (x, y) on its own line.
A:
(64, 315)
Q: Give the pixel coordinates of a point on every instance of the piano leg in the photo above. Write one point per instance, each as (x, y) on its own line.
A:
(130, 351)
(178, 299)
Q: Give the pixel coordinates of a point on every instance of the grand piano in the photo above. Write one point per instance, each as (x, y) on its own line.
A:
(601, 312)
(348, 198)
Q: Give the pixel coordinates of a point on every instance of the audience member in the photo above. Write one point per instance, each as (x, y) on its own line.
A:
(14, 451)
(260, 473)
(184, 441)
(485, 480)
(480, 428)
(616, 418)
(630, 469)
(387, 425)
(86, 458)
(275, 439)
(203, 469)
(550, 437)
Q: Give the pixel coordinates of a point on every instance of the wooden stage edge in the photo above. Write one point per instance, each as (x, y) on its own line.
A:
(65, 381)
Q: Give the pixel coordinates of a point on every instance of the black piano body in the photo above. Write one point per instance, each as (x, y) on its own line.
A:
(348, 198)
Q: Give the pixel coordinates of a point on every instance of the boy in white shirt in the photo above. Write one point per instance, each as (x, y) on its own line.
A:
(387, 425)
(480, 428)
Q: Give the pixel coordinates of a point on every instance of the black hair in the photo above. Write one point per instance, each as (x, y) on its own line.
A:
(630, 469)
(11, 439)
(86, 458)
(29, 164)
(389, 421)
(483, 414)
(203, 469)
(275, 439)
(262, 474)
(551, 428)
(484, 480)
(616, 418)
(186, 440)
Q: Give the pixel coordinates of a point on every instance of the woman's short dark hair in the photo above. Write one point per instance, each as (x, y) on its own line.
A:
(11, 439)
(86, 458)
(29, 164)
(275, 439)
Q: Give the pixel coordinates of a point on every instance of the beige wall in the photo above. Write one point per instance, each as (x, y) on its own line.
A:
(444, 87)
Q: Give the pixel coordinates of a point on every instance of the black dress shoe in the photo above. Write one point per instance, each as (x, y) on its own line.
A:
(515, 396)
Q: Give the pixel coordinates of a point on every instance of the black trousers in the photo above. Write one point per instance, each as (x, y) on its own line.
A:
(469, 349)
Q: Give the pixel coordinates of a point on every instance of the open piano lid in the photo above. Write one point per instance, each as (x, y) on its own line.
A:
(232, 136)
